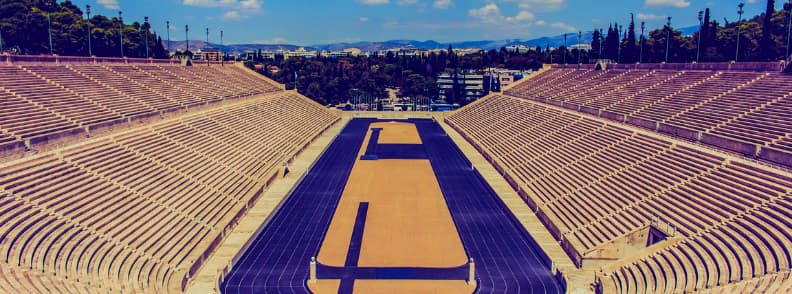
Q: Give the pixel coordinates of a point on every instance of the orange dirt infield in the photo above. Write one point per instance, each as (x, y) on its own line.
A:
(408, 223)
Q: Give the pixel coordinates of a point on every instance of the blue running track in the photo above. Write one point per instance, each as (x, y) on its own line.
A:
(507, 259)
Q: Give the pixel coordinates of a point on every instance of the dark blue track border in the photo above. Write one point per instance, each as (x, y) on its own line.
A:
(286, 277)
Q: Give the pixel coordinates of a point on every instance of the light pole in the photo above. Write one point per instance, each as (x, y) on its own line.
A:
(600, 45)
(789, 28)
(618, 48)
(222, 57)
(88, 12)
(580, 36)
(701, 30)
(668, 37)
(565, 47)
(146, 27)
(121, 32)
(167, 24)
(207, 44)
(739, 30)
(1, 41)
(640, 57)
(187, 38)
(49, 26)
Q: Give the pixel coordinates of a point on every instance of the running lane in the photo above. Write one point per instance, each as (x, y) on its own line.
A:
(277, 260)
(507, 258)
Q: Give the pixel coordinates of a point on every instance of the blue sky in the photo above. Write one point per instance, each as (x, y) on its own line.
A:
(305, 22)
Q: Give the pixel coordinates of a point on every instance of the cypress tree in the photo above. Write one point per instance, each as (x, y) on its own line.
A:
(595, 43)
(630, 55)
(767, 48)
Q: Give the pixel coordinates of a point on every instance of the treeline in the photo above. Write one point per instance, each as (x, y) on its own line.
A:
(761, 38)
(336, 80)
(24, 29)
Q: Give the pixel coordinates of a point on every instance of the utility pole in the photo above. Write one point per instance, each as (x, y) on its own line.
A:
(739, 30)
(701, 30)
(88, 12)
(222, 57)
(207, 44)
(146, 27)
(668, 38)
(121, 32)
(640, 58)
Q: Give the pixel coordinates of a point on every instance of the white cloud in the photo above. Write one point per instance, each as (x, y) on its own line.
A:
(233, 15)
(250, 4)
(235, 9)
(559, 25)
(672, 3)
(276, 40)
(491, 13)
(524, 15)
(753, 1)
(364, 19)
(110, 4)
(211, 3)
(443, 4)
(374, 2)
(540, 5)
(407, 2)
(649, 16)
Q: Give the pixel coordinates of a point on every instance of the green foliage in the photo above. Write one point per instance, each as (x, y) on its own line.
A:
(334, 81)
(23, 24)
(761, 39)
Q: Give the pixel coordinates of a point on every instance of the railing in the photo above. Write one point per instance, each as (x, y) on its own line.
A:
(38, 59)
(773, 66)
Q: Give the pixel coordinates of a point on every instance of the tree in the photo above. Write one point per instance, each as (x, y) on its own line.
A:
(612, 42)
(595, 43)
(768, 48)
(24, 27)
(630, 52)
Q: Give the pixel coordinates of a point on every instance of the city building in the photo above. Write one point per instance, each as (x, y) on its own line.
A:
(470, 86)
(521, 49)
(584, 47)
(505, 77)
(349, 52)
(211, 54)
(300, 52)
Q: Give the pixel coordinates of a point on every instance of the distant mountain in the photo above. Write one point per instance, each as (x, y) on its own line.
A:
(233, 48)
(552, 41)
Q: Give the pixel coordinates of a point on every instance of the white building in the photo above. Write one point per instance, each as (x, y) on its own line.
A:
(471, 86)
(300, 52)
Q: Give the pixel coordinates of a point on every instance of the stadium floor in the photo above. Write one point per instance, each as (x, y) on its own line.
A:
(360, 238)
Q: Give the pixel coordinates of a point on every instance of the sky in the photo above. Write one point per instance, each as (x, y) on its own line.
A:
(305, 22)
